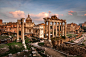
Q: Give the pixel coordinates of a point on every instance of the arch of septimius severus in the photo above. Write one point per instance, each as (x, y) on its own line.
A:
(61, 24)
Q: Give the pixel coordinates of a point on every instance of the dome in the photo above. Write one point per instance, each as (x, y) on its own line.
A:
(28, 19)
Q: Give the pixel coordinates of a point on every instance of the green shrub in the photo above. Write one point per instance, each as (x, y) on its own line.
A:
(63, 37)
(41, 44)
(27, 41)
(83, 44)
(72, 41)
(15, 47)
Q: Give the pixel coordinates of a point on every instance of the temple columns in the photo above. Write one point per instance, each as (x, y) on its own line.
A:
(45, 29)
(59, 29)
(17, 31)
(22, 33)
(65, 30)
(53, 29)
(22, 30)
(56, 28)
(49, 30)
(62, 28)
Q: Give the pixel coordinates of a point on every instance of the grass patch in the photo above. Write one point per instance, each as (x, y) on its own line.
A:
(14, 47)
(72, 41)
(15, 43)
(3, 45)
(71, 35)
(27, 40)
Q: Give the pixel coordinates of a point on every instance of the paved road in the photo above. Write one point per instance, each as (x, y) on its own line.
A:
(53, 53)
(49, 51)
(80, 40)
(84, 38)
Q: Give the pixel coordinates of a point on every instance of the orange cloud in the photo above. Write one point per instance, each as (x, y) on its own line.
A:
(69, 14)
(71, 11)
(18, 14)
(40, 16)
(43, 14)
(84, 14)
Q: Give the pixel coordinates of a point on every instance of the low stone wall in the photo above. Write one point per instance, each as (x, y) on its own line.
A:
(24, 53)
(72, 50)
(73, 38)
(56, 42)
(67, 54)
(8, 40)
(60, 41)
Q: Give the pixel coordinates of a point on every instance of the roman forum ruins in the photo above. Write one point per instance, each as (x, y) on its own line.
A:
(61, 24)
(22, 31)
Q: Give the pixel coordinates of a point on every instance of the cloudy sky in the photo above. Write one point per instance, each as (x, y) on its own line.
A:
(71, 10)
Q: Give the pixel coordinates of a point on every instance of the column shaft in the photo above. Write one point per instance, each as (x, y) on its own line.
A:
(49, 30)
(45, 29)
(53, 29)
(65, 30)
(56, 29)
(22, 33)
(22, 30)
(59, 30)
(17, 31)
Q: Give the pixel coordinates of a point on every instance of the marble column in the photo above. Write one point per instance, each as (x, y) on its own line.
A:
(17, 31)
(53, 29)
(49, 30)
(45, 29)
(56, 28)
(65, 30)
(22, 32)
(59, 29)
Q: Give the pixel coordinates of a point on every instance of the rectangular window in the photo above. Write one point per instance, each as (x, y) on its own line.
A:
(50, 27)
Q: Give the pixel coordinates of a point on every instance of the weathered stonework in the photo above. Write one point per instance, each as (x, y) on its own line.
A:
(54, 19)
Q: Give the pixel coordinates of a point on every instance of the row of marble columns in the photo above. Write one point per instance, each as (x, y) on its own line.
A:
(63, 31)
(22, 31)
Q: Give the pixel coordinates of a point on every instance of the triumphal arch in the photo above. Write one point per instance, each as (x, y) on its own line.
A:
(56, 22)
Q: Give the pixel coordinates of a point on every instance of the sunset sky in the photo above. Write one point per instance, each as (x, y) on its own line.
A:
(71, 10)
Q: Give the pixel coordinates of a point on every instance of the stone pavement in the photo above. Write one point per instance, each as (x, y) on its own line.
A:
(53, 53)
(80, 40)
(49, 51)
